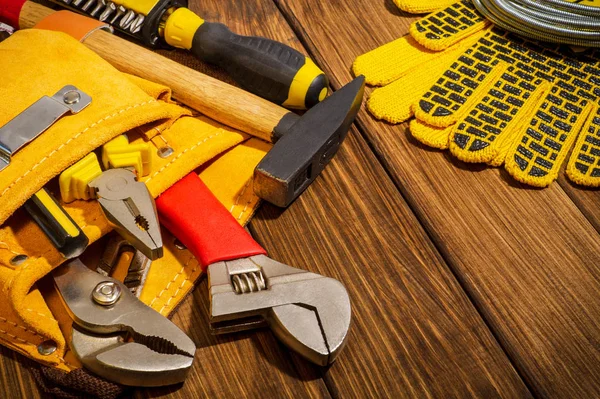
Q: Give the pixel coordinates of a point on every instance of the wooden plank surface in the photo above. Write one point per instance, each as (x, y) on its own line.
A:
(16, 381)
(415, 332)
(528, 258)
(250, 364)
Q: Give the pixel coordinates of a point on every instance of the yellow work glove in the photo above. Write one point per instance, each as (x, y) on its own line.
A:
(492, 97)
(422, 6)
(408, 66)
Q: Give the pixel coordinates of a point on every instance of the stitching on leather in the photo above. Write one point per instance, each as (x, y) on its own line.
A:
(8, 248)
(62, 360)
(237, 200)
(157, 135)
(181, 153)
(245, 209)
(168, 285)
(171, 282)
(25, 266)
(161, 136)
(21, 340)
(40, 314)
(2, 319)
(168, 303)
(14, 337)
(70, 140)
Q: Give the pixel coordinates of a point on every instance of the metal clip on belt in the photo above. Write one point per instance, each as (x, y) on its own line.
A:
(37, 118)
(25, 127)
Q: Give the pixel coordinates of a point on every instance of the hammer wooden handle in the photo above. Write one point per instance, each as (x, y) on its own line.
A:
(218, 100)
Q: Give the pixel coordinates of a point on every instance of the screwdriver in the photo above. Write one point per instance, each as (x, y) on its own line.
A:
(265, 67)
(56, 223)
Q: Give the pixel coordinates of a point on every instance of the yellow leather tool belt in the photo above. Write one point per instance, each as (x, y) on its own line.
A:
(36, 63)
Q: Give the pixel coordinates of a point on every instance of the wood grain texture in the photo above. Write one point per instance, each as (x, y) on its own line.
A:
(251, 364)
(586, 199)
(415, 332)
(15, 379)
(528, 258)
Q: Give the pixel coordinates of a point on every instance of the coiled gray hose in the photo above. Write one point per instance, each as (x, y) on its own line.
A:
(555, 21)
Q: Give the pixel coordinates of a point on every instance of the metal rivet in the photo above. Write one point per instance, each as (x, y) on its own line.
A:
(165, 152)
(179, 245)
(46, 348)
(71, 97)
(106, 293)
(18, 260)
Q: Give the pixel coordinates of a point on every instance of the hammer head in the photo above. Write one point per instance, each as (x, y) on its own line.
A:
(307, 146)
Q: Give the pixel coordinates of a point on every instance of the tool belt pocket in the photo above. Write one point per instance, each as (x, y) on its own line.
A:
(37, 63)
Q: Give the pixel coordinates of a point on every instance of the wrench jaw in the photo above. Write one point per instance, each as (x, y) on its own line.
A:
(317, 329)
(308, 312)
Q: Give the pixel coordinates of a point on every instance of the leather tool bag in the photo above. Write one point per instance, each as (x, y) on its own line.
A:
(35, 63)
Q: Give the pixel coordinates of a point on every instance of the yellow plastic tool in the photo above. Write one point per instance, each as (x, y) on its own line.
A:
(117, 153)
(267, 68)
(74, 181)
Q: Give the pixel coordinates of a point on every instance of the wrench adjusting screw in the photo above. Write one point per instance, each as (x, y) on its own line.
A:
(106, 293)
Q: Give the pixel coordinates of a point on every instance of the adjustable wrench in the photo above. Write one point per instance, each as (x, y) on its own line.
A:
(308, 312)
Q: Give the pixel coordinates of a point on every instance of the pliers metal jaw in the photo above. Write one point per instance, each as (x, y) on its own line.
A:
(308, 312)
(130, 208)
(117, 336)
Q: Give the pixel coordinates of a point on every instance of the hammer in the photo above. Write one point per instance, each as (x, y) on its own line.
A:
(303, 145)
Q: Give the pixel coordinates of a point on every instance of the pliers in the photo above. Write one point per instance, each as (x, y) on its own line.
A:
(126, 202)
(130, 209)
(117, 336)
(308, 312)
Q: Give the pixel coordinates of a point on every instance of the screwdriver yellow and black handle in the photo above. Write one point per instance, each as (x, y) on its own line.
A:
(60, 228)
(262, 66)
(267, 68)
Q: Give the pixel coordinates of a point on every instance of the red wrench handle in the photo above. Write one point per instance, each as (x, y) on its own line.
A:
(196, 217)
